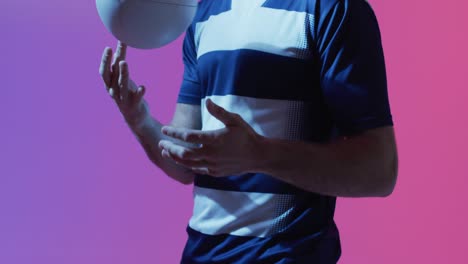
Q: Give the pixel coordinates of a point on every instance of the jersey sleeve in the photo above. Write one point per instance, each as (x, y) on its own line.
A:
(352, 66)
(190, 92)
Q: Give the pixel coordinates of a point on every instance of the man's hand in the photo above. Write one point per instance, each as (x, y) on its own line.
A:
(222, 152)
(126, 94)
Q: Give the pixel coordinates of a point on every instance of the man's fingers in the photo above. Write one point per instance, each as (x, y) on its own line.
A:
(123, 81)
(178, 151)
(189, 135)
(186, 153)
(141, 92)
(111, 92)
(184, 162)
(221, 114)
(135, 93)
(202, 171)
(206, 171)
(120, 54)
(122, 48)
(138, 94)
(104, 68)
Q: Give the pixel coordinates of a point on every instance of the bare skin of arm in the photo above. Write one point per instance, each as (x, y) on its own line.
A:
(364, 165)
(134, 108)
(149, 134)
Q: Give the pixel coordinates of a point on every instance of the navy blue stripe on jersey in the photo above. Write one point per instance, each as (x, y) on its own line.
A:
(208, 8)
(258, 74)
(189, 93)
(250, 182)
(319, 247)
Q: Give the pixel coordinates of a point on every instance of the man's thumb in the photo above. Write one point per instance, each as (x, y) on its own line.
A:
(221, 114)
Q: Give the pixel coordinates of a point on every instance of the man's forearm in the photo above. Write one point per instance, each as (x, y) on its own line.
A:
(148, 133)
(360, 166)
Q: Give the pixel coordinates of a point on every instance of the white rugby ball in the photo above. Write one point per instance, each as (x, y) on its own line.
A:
(146, 24)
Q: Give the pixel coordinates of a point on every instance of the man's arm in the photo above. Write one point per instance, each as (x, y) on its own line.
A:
(363, 165)
(129, 99)
(148, 133)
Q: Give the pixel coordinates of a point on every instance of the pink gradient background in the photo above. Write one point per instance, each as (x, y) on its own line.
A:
(76, 187)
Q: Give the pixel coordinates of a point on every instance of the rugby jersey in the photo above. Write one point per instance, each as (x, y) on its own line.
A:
(301, 70)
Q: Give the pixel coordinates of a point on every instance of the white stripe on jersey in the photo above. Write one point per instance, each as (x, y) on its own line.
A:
(239, 213)
(270, 30)
(268, 117)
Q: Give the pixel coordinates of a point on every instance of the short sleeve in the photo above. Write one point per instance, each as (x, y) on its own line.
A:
(352, 66)
(190, 89)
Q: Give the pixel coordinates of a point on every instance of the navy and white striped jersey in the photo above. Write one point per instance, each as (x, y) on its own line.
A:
(302, 70)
